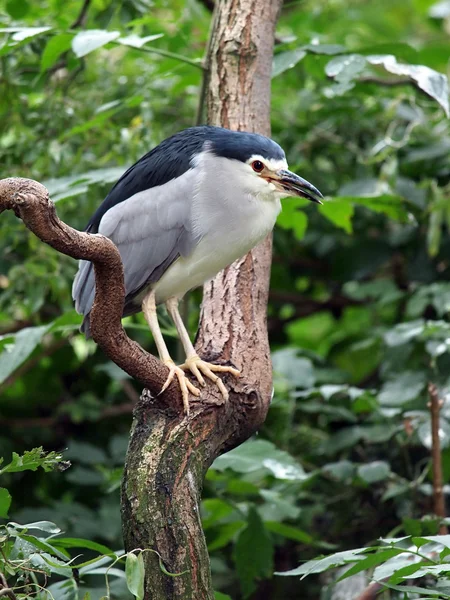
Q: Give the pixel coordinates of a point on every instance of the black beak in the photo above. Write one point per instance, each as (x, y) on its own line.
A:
(297, 186)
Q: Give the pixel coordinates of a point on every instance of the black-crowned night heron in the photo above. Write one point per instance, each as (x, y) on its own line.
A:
(190, 207)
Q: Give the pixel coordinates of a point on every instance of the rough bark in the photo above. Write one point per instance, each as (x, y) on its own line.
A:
(30, 202)
(168, 454)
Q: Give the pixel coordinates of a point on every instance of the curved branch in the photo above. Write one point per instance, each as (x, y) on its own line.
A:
(30, 202)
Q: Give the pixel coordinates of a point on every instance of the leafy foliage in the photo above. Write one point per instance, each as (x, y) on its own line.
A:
(358, 314)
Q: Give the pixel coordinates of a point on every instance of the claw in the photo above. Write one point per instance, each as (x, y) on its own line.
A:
(197, 367)
(186, 386)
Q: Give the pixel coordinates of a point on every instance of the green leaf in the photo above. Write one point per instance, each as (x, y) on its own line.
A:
(392, 206)
(345, 68)
(17, 10)
(33, 459)
(135, 574)
(82, 543)
(24, 33)
(46, 526)
(74, 185)
(5, 502)
(253, 554)
(135, 41)
(220, 596)
(227, 532)
(293, 218)
(339, 212)
(377, 470)
(92, 39)
(430, 81)
(404, 332)
(296, 370)
(329, 49)
(286, 60)
(424, 433)
(341, 470)
(372, 560)
(261, 454)
(42, 545)
(15, 349)
(289, 532)
(318, 565)
(56, 46)
(405, 387)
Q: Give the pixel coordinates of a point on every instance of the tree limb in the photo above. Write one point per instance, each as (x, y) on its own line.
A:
(30, 202)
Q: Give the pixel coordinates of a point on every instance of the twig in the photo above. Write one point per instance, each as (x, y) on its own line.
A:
(30, 201)
(8, 592)
(386, 82)
(80, 20)
(435, 404)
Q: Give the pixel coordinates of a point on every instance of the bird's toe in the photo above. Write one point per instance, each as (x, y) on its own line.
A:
(185, 385)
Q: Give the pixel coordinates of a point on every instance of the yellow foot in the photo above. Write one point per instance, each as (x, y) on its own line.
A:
(185, 385)
(197, 367)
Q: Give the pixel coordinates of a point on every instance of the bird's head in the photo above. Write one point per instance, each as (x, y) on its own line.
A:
(259, 165)
(275, 173)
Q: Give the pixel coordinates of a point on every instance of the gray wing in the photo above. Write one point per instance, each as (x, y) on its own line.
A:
(151, 230)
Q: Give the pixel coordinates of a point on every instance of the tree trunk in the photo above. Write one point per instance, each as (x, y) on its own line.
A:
(169, 454)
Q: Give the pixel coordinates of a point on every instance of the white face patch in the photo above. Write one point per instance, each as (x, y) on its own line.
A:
(270, 163)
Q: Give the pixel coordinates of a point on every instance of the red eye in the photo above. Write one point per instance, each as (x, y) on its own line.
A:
(257, 166)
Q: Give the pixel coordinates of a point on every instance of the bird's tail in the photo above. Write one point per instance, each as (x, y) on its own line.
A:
(83, 292)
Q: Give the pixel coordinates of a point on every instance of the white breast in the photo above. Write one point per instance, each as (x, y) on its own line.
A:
(228, 217)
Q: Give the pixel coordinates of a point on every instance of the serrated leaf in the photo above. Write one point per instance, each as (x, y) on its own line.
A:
(135, 574)
(31, 460)
(372, 560)
(319, 565)
(253, 554)
(5, 502)
(92, 39)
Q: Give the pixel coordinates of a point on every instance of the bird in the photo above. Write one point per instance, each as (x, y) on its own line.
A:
(187, 209)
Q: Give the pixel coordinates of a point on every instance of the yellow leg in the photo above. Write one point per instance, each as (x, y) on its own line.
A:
(149, 310)
(194, 363)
